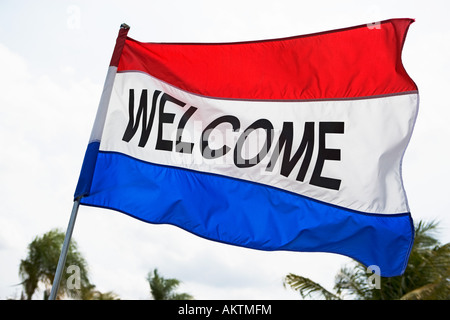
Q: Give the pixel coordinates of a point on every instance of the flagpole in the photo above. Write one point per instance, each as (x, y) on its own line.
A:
(64, 250)
(90, 155)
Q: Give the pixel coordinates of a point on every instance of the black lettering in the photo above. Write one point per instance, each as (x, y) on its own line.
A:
(209, 153)
(164, 117)
(326, 154)
(285, 141)
(132, 126)
(258, 124)
(283, 148)
(180, 146)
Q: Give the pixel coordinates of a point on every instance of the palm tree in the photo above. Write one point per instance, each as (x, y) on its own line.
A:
(427, 275)
(109, 295)
(163, 289)
(42, 259)
(89, 293)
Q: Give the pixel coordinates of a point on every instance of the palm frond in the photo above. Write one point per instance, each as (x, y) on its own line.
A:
(164, 289)
(308, 288)
(353, 282)
(420, 293)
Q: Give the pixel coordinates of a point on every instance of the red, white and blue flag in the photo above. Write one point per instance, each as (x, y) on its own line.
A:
(285, 144)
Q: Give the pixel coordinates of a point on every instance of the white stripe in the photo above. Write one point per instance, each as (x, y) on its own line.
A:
(97, 128)
(377, 131)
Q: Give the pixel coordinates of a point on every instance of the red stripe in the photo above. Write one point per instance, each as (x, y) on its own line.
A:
(346, 63)
(120, 43)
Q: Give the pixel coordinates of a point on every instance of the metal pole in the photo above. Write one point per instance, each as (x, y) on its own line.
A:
(64, 250)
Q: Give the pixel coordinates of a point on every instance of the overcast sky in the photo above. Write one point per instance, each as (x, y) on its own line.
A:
(53, 60)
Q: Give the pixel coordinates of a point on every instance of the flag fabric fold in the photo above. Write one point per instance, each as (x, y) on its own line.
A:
(283, 144)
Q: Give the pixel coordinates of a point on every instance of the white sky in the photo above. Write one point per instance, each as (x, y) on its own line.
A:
(53, 60)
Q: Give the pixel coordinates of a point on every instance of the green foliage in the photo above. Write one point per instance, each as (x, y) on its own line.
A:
(89, 293)
(164, 289)
(39, 267)
(308, 288)
(41, 262)
(427, 275)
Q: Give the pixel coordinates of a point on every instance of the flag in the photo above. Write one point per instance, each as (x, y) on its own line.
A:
(283, 144)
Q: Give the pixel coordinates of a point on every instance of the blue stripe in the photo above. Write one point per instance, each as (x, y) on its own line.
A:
(247, 214)
(87, 170)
